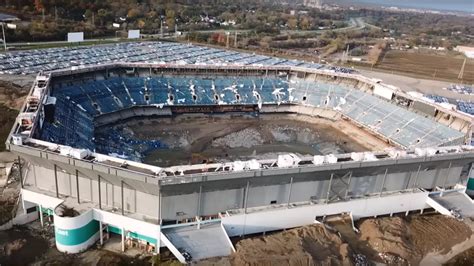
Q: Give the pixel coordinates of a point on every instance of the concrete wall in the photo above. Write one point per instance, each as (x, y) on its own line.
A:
(181, 201)
(277, 219)
(135, 201)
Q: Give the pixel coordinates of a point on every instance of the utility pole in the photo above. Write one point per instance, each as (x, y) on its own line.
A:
(227, 42)
(55, 13)
(176, 27)
(161, 26)
(235, 40)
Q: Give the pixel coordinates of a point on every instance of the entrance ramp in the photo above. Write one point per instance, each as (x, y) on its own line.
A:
(203, 240)
(454, 203)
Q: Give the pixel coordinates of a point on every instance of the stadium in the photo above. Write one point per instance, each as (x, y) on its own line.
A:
(187, 156)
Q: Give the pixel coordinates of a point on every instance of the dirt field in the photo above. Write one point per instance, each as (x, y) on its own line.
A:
(464, 259)
(30, 245)
(12, 96)
(19, 247)
(389, 240)
(427, 65)
(7, 118)
(215, 138)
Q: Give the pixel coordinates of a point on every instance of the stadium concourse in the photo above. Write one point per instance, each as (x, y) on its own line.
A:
(96, 186)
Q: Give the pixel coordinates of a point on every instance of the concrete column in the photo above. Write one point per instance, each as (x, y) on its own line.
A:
(41, 215)
(158, 242)
(470, 182)
(23, 204)
(123, 239)
(101, 233)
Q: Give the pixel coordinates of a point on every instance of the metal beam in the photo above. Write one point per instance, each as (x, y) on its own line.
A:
(247, 190)
(159, 205)
(121, 192)
(447, 175)
(198, 211)
(289, 193)
(56, 180)
(100, 197)
(383, 182)
(348, 185)
(21, 171)
(415, 183)
(329, 188)
(41, 215)
(77, 187)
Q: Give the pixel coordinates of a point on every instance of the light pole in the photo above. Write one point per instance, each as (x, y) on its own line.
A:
(10, 26)
(4, 40)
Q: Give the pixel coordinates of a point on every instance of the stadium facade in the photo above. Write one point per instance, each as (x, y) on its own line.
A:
(94, 188)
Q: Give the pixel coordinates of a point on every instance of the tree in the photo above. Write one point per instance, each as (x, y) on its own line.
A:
(305, 23)
(170, 19)
(133, 13)
(292, 23)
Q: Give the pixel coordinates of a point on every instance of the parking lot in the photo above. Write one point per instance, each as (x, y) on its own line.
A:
(33, 61)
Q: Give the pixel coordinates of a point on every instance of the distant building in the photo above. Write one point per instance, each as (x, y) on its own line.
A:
(468, 51)
(313, 3)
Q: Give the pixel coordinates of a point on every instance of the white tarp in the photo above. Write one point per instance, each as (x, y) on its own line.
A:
(383, 91)
(246, 165)
(133, 34)
(331, 158)
(288, 160)
(318, 159)
(75, 36)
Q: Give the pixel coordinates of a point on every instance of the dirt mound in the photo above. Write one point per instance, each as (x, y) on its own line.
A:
(437, 232)
(403, 240)
(388, 237)
(308, 245)
(12, 94)
(464, 259)
(19, 247)
(7, 118)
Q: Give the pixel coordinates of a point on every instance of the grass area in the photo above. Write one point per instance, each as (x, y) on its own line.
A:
(7, 118)
(427, 65)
